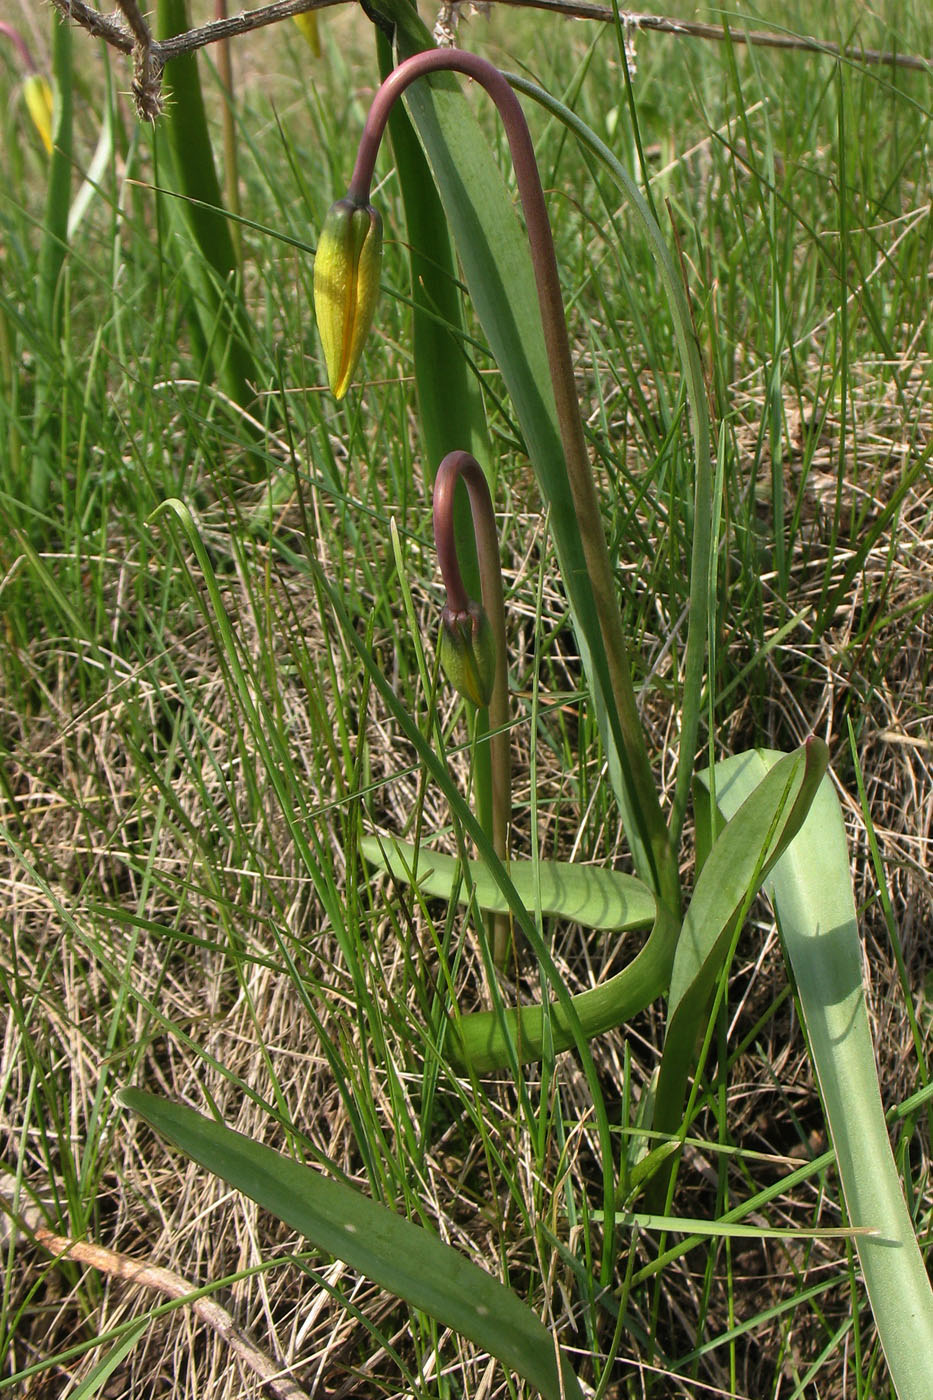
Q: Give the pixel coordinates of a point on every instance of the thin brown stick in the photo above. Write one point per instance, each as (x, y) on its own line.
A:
(697, 29)
(97, 25)
(103, 27)
(166, 1281)
(165, 49)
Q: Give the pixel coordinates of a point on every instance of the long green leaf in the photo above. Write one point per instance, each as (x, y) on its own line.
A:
(404, 1258)
(212, 271)
(811, 890)
(450, 404)
(587, 894)
(701, 561)
(734, 871)
(741, 856)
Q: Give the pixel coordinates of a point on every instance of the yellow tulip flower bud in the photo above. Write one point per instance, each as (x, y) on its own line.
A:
(468, 653)
(346, 285)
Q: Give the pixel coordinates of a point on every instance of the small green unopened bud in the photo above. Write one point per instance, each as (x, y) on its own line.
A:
(346, 284)
(468, 653)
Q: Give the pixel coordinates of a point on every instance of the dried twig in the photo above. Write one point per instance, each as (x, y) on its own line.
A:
(164, 50)
(97, 25)
(24, 1225)
(696, 29)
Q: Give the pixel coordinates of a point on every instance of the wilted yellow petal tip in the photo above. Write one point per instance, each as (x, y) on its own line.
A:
(307, 23)
(40, 104)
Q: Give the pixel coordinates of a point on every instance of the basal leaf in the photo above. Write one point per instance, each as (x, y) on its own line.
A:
(733, 872)
(811, 890)
(587, 894)
(409, 1261)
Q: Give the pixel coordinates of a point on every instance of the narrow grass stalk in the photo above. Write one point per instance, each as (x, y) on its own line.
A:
(214, 277)
(231, 144)
(52, 257)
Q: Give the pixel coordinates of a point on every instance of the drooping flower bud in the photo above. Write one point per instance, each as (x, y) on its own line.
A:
(468, 653)
(346, 285)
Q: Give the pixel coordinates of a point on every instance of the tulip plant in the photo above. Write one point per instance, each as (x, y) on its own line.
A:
(763, 821)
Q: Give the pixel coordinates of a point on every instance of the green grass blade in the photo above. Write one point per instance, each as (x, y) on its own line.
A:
(400, 1256)
(54, 247)
(724, 1229)
(58, 195)
(587, 894)
(97, 1380)
(811, 889)
(214, 273)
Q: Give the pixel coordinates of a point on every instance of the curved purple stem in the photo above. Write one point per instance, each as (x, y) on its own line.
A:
(646, 808)
(17, 39)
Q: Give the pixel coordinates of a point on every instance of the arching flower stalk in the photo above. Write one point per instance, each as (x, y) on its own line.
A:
(643, 798)
(472, 641)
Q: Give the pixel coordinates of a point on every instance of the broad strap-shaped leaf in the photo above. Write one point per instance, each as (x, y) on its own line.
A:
(400, 1256)
(811, 890)
(587, 894)
(740, 858)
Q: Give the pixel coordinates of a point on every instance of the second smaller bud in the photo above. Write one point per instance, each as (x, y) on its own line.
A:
(468, 653)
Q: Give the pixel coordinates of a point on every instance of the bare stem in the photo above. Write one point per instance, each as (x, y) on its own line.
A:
(102, 27)
(455, 467)
(151, 55)
(697, 29)
(140, 1273)
(640, 781)
(136, 21)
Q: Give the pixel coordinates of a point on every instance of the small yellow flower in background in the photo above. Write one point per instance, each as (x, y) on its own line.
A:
(307, 23)
(346, 285)
(39, 104)
(36, 90)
